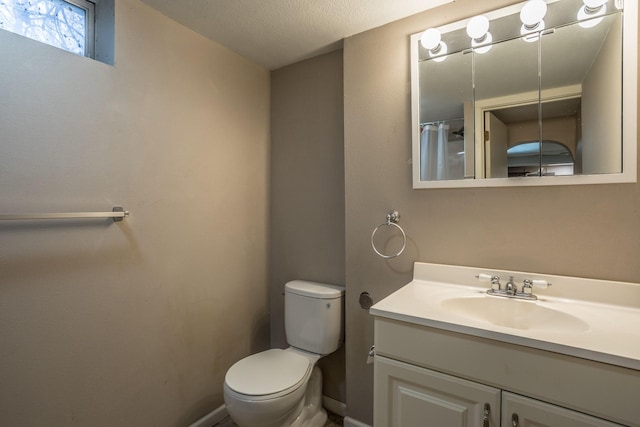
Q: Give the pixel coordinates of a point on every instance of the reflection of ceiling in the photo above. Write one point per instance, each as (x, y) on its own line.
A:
(562, 108)
(509, 67)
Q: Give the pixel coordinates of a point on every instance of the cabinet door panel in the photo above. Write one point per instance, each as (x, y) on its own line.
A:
(410, 396)
(520, 411)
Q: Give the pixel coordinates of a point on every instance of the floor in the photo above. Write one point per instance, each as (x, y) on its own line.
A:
(333, 421)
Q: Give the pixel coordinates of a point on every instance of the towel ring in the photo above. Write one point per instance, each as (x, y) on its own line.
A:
(392, 221)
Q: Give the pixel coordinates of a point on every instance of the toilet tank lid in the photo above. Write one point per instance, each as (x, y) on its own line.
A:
(314, 289)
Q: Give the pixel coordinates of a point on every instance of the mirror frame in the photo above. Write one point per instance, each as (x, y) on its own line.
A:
(629, 115)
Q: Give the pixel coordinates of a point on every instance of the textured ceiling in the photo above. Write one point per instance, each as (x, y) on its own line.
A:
(275, 33)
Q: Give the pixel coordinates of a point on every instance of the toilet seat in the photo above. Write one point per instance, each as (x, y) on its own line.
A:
(268, 375)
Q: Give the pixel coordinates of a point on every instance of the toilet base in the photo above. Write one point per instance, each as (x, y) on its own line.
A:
(312, 414)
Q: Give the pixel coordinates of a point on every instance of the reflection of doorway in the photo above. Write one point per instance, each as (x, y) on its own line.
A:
(528, 159)
(553, 115)
(496, 143)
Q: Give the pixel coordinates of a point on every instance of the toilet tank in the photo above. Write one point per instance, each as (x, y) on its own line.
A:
(314, 316)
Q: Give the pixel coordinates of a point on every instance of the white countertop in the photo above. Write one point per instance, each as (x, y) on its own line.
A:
(582, 327)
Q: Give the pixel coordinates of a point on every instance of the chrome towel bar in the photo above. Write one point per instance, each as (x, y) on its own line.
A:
(117, 213)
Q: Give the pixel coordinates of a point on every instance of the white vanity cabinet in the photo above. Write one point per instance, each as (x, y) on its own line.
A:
(410, 396)
(520, 411)
(426, 377)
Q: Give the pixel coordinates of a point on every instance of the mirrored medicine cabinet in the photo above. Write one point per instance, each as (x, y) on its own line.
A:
(548, 100)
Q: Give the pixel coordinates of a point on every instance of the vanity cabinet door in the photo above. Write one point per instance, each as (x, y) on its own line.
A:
(520, 411)
(410, 396)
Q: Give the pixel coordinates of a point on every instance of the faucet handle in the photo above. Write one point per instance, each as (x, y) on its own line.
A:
(540, 283)
(536, 283)
(495, 280)
(527, 286)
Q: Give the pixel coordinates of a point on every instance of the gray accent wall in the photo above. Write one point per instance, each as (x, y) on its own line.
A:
(307, 190)
(585, 231)
(135, 323)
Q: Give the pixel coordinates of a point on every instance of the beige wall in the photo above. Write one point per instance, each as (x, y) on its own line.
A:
(307, 189)
(561, 129)
(133, 324)
(590, 231)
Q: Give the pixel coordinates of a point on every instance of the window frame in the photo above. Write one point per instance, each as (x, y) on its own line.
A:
(89, 23)
(89, 8)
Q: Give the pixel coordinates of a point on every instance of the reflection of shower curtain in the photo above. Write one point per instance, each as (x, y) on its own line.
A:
(434, 153)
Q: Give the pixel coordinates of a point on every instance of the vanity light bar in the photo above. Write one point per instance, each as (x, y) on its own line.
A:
(532, 14)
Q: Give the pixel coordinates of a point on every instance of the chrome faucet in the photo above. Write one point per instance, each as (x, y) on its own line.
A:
(511, 288)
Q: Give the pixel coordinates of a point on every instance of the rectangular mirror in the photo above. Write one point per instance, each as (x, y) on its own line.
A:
(500, 93)
(544, 103)
(444, 152)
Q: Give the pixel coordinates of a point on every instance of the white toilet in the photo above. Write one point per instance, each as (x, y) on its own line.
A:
(277, 388)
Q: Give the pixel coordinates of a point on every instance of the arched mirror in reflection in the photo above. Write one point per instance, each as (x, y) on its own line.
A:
(516, 130)
(557, 81)
(534, 158)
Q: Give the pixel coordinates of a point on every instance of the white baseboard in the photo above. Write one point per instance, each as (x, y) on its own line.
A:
(350, 422)
(212, 418)
(334, 406)
(330, 404)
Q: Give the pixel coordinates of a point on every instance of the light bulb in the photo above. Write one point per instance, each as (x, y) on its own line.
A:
(485, 44)
(533, 12)
(532, 33)
(430, 39)
(439, 54)
(588, 17)
(477, 27)
(594, 4)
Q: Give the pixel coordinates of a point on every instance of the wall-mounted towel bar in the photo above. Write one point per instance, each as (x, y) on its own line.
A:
(118, 214)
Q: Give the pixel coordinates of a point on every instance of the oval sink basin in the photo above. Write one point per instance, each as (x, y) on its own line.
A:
(516, 314)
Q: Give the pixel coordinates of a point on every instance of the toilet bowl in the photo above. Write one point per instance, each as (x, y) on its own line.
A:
(270, 389)
(277, 387)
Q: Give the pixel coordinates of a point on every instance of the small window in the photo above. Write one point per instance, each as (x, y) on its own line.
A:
(67, 24)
